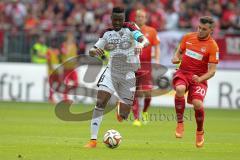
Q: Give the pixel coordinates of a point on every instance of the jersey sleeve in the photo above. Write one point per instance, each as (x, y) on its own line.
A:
(156, 40)
(182, 44)
(136, 33)
(213, 53)
(101, 42)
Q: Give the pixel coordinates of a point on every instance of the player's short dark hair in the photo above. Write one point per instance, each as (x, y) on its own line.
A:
(207, 19)
(118, 10)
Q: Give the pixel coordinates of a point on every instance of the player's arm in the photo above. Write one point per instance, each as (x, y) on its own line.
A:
(177, 56)
(180, 49)
(49, 61)
(156, 46)
(96, 51)
(98, 48)
(156, 53)
(137, 34)
(212, 61)
(211, 72)
(143, 41)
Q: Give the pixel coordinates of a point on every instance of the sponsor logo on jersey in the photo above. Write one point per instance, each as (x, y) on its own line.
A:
(110, 46)
(203, 49)
(194, 55)
(121, 33)
(125, 45)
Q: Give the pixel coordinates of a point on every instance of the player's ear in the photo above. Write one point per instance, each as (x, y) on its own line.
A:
(211, 30)
(212, 26)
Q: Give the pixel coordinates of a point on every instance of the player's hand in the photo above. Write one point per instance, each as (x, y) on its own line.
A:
(196, 78)
(99, 52)
(138, 49)
(175, 60)
(147, 43)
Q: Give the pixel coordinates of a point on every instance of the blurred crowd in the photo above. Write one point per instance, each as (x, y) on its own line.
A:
(94, 15)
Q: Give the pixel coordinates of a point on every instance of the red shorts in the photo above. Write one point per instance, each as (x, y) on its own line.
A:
(71, 75)
(195, 90)
(144, 80)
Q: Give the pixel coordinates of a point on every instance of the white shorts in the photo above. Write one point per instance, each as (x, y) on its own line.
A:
(124, 85)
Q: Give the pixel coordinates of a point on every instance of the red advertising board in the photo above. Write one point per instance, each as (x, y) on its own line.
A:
(1, 39)
(229, 47)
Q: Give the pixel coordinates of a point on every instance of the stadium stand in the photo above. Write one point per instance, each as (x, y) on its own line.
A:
(21, 21)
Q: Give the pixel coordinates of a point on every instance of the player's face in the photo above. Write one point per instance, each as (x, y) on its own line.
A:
(140, 18)
(204, 30)
(117, 21)
(70, 37)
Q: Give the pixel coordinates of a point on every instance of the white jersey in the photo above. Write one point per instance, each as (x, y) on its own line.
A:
(121, 46)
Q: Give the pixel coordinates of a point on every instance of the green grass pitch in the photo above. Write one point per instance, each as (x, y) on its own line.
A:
(31, 131)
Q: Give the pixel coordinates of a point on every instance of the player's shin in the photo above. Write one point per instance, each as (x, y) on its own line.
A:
(135, 109)
(199, 115)
(124, 110)
(179, 108)
(96, 121)
(147, 102)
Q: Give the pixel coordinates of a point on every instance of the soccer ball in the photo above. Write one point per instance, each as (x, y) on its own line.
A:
(112, 138)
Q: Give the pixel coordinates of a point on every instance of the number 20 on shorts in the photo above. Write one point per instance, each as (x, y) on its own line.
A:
(200, 90)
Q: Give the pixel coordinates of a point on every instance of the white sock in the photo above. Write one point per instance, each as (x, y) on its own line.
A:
(141, 103)
(96, 121)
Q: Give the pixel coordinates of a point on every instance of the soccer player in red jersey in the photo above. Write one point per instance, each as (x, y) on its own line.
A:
(144, 74)
(199, 56)
(69, 51)
(53, 61)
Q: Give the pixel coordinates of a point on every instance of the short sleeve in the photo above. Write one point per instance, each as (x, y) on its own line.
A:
(156, 40)
(183, 42)
(213, 53)
(100, 43)
(134, 29)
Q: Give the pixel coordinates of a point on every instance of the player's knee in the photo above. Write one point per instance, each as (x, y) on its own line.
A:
(124, 110)
(124, 115)
(180, 90)
(139, 94)
(147, 94)
(197, 103)
(100, 104)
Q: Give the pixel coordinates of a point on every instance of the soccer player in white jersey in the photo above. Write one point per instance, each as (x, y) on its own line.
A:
(119, 75)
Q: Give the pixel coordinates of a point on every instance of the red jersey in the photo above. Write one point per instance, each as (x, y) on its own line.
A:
(69, 50)
(198, 53)
(53, 59)
(151, 34)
